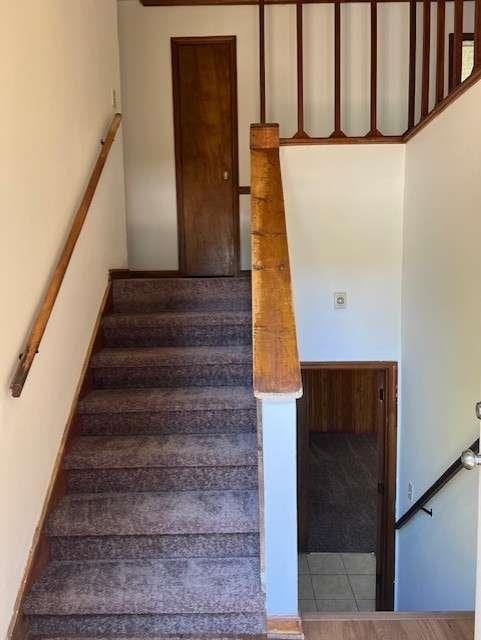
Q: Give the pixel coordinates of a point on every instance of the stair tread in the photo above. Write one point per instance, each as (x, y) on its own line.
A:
(175, 450)
(171, 356)
(190, 318)
(162, 513)
(189, 586)
(167, 399)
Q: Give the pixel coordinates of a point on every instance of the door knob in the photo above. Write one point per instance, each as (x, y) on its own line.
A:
(226, 176)
(470, 460)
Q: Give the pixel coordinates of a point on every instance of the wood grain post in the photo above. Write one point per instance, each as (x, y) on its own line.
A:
(458, 42)
(441, 22)
(338, 132)
(426, 57)
(276, 368)
(262, 62)
(300, 72)
(373, 132)
(477, 35)
(412, 62)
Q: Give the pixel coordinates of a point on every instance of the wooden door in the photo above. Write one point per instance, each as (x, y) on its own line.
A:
(205, 121)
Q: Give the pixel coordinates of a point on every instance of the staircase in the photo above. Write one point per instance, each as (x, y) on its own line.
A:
(158, 533)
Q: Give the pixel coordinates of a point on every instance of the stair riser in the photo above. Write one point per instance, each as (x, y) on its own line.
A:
(153, 547)
(184, 376)
(202, 422)
(177, 336)
(231, 294)
(199, 624)
(161, 479)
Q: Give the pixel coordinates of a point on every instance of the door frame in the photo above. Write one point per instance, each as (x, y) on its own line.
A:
(387, 450)
(176, 43)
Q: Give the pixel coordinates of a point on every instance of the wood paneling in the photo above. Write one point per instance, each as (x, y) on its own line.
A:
(276, 361)
(339, 400)
(46, 306)
(205, 124)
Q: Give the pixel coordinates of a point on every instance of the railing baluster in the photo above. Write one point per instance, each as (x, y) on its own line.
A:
(458, 42)
(426, 57)
(262, 62)
(300, 73)
(441, 22)
(337, 133)
(373, 130)
(412, 62)
(477, 35)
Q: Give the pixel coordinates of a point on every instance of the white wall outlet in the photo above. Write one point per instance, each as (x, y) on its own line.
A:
(411, 491)
(340, 299)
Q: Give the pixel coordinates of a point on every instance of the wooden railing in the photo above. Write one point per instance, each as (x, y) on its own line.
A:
(277, 374)
(46, 306)
(430, 97)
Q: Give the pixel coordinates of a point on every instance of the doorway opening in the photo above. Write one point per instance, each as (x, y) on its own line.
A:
(347, 421)
(204, 80)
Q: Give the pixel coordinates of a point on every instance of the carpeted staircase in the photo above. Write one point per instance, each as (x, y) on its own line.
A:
(158, 533)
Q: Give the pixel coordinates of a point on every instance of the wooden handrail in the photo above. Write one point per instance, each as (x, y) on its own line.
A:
(277, 373)
(55, 282)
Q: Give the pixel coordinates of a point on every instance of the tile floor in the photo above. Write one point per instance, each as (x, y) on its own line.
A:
(340, 582)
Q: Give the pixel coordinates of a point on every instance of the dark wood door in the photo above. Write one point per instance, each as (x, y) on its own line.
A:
(205, 119)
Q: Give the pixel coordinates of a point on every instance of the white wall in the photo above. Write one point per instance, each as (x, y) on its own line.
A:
(59, 64)
(441, 356)
(344, 218)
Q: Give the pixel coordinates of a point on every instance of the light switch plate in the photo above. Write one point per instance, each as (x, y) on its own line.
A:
(340, 299)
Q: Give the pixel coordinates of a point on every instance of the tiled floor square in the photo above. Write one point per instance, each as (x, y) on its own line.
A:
(305, 588)
(339, 606)
(364, 587)
(366, 605)
(307, 606)
(359, 563)
(332, 587)
(325, 563)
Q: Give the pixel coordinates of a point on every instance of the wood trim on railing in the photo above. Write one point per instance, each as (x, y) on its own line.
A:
(440, 50)
(439, 108)
(426, 58)
(412, 62)
(55, 282)
(277, 372)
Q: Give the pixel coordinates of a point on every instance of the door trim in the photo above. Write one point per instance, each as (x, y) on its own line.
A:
(176, 43)
(385, 551)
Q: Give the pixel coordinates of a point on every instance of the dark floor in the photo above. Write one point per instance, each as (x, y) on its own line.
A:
(343, 493)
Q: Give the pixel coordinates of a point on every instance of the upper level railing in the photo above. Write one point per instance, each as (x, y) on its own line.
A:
(277, 373)
(425, 95)
(55, 282)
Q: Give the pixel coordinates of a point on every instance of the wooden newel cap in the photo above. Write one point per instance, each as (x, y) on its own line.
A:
(264, 136)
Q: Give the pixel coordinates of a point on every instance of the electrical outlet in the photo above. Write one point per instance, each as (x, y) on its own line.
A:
(411, 491)
(340, 300)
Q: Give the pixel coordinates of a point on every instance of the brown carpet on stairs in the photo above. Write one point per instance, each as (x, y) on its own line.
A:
(158, 534)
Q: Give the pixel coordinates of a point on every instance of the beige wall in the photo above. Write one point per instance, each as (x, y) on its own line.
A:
(58, 64)
(344, 216)
(441, 354)
(147, 93)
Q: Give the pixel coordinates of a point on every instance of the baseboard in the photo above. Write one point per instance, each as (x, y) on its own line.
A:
(39, 553)
(284, 628)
